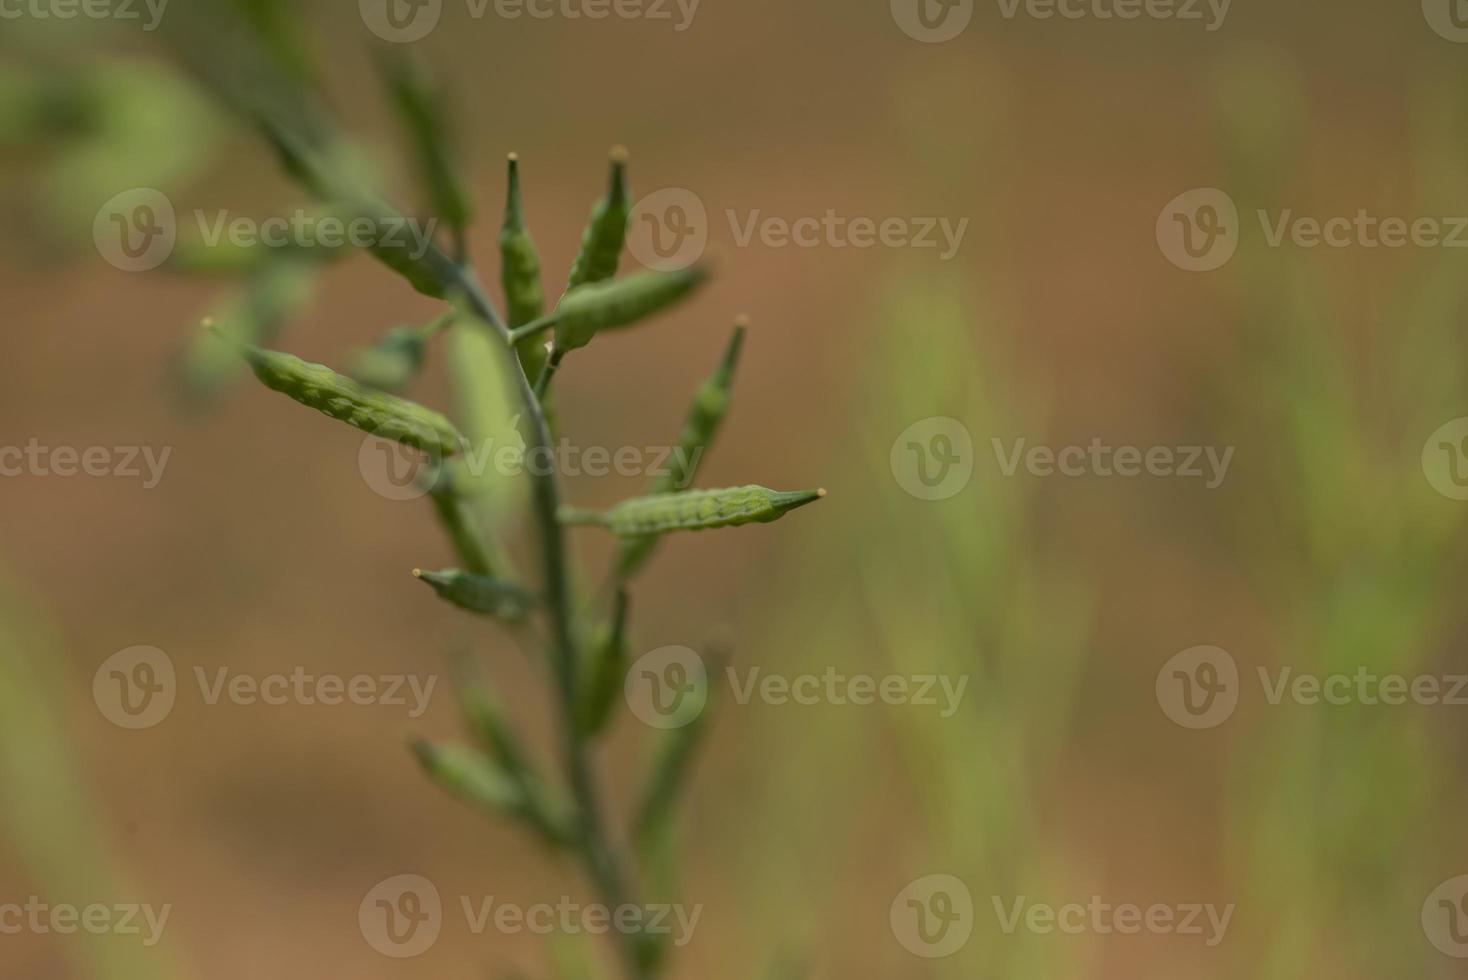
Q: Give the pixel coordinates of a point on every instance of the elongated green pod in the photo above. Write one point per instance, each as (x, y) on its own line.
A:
(695, 510)
(495, 736)
(705, 416)
(606, 670)
(419, 105)
(339, 397)
(520, 274)
(471, 542)
(273, 293)
(478, 593)
(591, 309)
(394, 361)
(470, 776)
(606, 230)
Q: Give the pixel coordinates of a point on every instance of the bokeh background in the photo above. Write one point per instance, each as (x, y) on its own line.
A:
(1060, 320)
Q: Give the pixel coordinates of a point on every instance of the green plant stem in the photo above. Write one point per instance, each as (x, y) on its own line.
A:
(552, 364)
(596, 849)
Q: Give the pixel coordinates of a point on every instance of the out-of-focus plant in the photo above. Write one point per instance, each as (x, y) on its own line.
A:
(499, 378)
(958, 588)
(1333, 806)
(45, 809)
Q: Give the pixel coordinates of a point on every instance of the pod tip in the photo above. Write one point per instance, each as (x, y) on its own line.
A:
(513, 157)
(741, 322)
(620, 154)
(820, 492)
(417, 573)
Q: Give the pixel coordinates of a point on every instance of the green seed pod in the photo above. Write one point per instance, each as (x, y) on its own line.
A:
(520, 274)
(478, 593)
(705, 416)
(273, 294)
(590, 309)
(470, 776)
(394, 361)
(695, 510)
(420, 108)
(606, 230)
(606, 671)
(339, 397)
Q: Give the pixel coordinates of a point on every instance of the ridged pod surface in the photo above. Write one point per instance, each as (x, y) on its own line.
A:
(697, 510)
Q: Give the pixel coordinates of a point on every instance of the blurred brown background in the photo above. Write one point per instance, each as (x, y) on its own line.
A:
(1060, 320)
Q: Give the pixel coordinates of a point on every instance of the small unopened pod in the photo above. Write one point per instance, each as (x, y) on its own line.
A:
(695, 510)
(478, 594)
(606, 230)
(587, 311)
(338, 396)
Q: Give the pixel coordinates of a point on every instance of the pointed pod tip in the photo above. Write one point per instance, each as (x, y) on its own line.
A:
(620, 155)
(741, 322)
(792, 499)
(417, 573)
(513, 157)
(820, 492)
